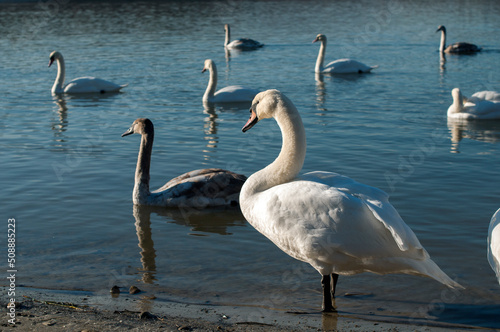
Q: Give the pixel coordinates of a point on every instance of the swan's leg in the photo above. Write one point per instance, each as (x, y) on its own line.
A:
(335, 279)
(327, 293)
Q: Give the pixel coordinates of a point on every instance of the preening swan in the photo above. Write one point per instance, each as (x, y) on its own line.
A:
(494, 244)
(478, 107)
(243, 44)
(457, 48)
(79, 85)
(198, 189)
(229, 94)
(330, 221)
(341, 66)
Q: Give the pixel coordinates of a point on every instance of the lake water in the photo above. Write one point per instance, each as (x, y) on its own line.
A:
(67, 175)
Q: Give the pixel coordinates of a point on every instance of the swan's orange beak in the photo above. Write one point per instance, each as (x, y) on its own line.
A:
(251, 122)
(315, 40)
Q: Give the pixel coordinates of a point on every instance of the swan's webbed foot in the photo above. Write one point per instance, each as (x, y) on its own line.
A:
(329, 292)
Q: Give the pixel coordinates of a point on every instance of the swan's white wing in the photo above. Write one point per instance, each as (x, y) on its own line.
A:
(494, 244)
(375, 199)
(346, 66)
(235, 93)
(484, 109)
(91, 85)
(484, 95)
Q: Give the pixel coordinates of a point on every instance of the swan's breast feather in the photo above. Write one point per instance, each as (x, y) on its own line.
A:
(494, 243)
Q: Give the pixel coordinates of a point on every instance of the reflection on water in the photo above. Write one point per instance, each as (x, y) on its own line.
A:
(483, 131)
(60, 126)
(210, 129)
(142, 215)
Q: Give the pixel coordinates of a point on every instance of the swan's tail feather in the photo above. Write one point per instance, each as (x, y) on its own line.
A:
(123, 86)
(432, 270)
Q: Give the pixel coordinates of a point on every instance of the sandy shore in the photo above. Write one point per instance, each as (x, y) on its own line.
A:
(48, 310)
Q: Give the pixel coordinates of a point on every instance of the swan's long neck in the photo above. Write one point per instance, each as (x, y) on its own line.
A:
(228, 36)
(141, 187)
(321, 57)
(458, 103)
(61, 71)
(212, 84)
(290, 160)
(443, 41)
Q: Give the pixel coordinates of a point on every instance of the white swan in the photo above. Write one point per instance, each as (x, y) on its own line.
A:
(341, 66)
(243, 44)
(229, 94)
(457, 48)
(330, 221)
(79, 85)
(473, 108)
(198, 189)
(494, 244)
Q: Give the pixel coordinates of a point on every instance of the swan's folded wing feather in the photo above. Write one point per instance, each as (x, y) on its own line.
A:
(91, 85)
(376, 200)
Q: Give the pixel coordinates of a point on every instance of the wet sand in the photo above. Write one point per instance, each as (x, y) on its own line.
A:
(49, 310)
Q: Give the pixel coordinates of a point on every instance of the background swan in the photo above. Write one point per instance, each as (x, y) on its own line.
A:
(341, 66)
(229, 94)
(473, 108)
(200, 188)
(330, 221)
(460, 47)
(79, 85)
(494, 244)
(243, 44)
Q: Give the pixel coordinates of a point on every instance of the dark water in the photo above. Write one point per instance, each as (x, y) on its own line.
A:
(67, 175)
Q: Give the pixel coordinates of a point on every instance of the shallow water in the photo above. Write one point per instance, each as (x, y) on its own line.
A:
(67, 175)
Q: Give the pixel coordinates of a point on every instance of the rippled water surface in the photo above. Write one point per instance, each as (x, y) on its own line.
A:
(67, 175)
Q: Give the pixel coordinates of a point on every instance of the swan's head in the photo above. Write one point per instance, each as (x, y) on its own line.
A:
(319, 37)
(209, 65)
(441, 28)
(226, 27)
(265, 105)
(54, 56)
(140, 126)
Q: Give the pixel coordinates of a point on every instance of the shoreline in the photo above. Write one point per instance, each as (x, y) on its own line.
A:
(54, 310)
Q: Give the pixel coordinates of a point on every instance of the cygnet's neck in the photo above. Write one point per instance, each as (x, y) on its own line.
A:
(61, 72)
(289, 162)
(141, 187)
(321, 57)
(212, 84)
(442, 45)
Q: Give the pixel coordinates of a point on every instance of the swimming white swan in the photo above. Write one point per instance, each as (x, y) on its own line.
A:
(229, 94)
(243, 44)
(474, 108)
(199, 189)
(330, 221)
(494, 244)
(341, 66)
(79, 85)
(457, 48)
